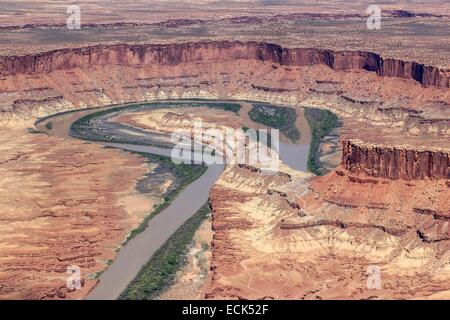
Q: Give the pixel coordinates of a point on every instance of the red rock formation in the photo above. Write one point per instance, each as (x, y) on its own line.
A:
(220, 51)
(395, 163)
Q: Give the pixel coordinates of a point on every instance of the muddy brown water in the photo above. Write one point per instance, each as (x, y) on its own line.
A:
(136, 252)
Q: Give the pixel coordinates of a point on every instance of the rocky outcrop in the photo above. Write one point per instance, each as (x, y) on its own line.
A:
(172, 54)
(339, 224)
(395, 163)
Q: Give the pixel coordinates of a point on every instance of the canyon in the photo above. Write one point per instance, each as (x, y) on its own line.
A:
(319, 236)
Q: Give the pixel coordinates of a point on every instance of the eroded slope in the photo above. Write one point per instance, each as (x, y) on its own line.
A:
(63, 204)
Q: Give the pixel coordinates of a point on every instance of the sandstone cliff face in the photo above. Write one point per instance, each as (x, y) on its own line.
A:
(221, 51)
(393, 163)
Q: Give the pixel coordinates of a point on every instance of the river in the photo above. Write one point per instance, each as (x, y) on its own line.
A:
(136, 252)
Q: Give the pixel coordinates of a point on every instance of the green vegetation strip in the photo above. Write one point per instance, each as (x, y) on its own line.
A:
(322, 123)
(281, 118)
(185, 173)
(160, 271)
(82, 128)
(49, 125)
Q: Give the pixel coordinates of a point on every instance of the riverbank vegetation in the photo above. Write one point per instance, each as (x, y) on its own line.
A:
(160, 271)
(278, 117)
(185, 174)
(322, 123)
(85, 127)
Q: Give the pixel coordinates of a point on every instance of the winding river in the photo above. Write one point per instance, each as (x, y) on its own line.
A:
(136, 252)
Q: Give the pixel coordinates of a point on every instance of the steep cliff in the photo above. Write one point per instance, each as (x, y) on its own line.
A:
(171, 54)
(395, 163)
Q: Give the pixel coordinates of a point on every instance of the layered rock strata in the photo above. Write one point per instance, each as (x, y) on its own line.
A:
(395, 163)
(292, 237)
(135, 55)
(360, 86)
(399, 107)
(64, 204)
